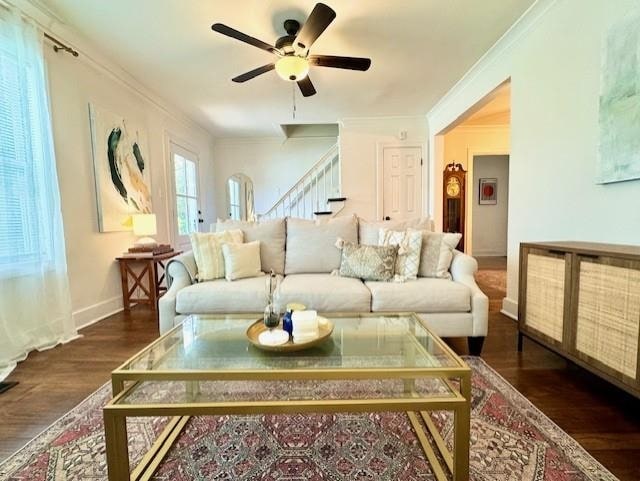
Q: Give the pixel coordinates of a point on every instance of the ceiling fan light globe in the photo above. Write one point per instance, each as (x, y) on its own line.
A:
(292, 68)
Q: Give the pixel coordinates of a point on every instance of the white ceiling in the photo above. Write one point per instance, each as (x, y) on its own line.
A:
(419, 49)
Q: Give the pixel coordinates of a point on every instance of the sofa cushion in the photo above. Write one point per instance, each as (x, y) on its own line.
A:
(207, 251)
(368, 231)
(409, 242)
(437, 253)
(221, 296)
(311, 245)
(241, 260)
(324, 293)
(270, 233)
(373, 263)
(420, 295)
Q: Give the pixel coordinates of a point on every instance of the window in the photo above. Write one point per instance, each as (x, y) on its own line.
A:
(234, 198)
(186, 178)
(25, 244)
(33, 269)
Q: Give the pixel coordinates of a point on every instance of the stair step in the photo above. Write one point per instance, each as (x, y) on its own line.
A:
(336, 199)
(323, 212)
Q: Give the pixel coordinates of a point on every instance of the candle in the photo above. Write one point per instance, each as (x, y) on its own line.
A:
(305, 326)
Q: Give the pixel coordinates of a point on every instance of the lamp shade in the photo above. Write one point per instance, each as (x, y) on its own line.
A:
(144, 224)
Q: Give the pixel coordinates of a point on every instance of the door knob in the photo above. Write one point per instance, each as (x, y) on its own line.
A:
(387, 218)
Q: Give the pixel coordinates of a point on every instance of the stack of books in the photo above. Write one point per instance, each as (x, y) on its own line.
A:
(148, 251)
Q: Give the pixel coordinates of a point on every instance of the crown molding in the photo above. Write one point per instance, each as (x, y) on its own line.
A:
(54, 24)
(355, 120)
(267, 140)
(260, 139)
(520, 28)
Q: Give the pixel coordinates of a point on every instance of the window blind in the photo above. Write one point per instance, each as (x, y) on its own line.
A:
(24, 244)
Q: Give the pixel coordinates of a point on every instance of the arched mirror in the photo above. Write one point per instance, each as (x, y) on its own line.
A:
(240, 198)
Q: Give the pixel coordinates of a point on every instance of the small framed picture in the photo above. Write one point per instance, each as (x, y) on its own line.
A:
(488, 192)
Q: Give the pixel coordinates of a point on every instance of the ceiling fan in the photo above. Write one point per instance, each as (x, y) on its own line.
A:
(293, 50)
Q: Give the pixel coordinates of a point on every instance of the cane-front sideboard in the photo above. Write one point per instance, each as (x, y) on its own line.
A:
(582, 300)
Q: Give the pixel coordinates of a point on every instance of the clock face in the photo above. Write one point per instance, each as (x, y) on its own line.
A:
(453, 187)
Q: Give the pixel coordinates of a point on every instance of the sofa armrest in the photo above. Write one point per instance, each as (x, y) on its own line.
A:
(463, 270)
(181, 272)
(182, 265)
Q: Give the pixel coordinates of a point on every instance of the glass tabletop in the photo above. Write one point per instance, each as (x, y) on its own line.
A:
(359, 341)
(177, 392)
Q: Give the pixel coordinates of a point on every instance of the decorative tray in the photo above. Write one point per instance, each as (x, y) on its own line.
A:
(254, 330)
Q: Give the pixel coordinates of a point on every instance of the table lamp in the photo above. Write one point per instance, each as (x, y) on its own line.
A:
(144, 225)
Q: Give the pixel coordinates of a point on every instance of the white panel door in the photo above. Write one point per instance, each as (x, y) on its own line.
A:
(402, 183)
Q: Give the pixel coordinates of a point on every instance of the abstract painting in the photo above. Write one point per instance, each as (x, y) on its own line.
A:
(488, 192)
(619, 153)
(120, 160)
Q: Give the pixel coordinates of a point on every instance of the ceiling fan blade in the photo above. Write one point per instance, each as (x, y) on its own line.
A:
(319, 19)
(254, 73)
(350, 63)
(306, 87)
(243, 37)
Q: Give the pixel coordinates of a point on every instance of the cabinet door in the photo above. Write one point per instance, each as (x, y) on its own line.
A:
(545, 277)
(607, 313)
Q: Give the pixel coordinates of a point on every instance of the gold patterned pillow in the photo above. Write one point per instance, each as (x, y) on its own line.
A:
(371, 263)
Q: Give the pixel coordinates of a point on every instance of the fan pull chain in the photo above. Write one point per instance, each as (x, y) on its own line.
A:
(293, 97)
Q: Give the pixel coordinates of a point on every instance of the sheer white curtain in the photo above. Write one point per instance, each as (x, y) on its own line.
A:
(35, 307)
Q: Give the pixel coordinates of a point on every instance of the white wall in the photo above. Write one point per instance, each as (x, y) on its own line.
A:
(360, 140)
(74, 82)
(274, 165)
(460, 145)
(490, 220)
(554, 68)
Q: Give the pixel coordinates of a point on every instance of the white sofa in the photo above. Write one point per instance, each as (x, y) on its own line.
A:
(453, 307)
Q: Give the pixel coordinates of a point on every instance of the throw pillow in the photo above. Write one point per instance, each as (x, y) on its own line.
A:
(241, 260)
(311, 244)
(270, 233)
(409, 243)
(368, 231)
(437, 254)
(207, 251)
(371, 263)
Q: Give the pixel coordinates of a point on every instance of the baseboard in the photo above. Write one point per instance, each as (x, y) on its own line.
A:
(91, 314)
(488, 253)
(510, 308)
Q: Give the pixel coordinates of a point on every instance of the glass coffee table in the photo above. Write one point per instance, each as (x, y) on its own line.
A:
(371, 363)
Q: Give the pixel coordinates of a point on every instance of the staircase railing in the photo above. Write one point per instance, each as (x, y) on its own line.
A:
(311, 193)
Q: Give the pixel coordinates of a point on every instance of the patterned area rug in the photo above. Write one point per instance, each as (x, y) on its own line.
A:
(510, 440)
(493, 283)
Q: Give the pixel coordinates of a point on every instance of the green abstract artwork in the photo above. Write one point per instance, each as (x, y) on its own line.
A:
(619, 153)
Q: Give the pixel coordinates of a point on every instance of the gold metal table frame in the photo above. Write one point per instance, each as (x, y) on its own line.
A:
(458, 401)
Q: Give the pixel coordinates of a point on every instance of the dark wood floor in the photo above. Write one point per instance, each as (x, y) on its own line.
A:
(605, 420)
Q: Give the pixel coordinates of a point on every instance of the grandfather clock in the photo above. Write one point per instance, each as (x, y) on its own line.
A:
(454, 178)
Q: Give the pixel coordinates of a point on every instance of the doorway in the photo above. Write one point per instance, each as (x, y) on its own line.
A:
(400, 182)
(490, 205)
(484, 130)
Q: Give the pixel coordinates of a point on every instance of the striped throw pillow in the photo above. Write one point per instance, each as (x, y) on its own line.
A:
(207, 251)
